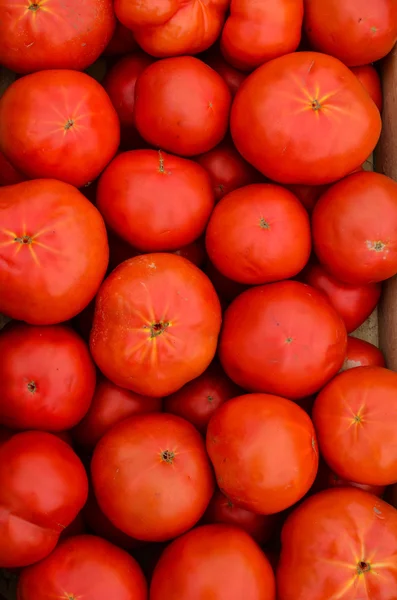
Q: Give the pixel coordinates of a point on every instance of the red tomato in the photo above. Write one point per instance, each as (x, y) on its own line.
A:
(182, 106)
(326, 479)
(362, 354)
(354, 419)
(233, 77)
(43, 486)
(284, 338)
(326, 123)
(129, 192)
(60, 125)
(354, 536)
(355, 228)
(357, 32)
(245, 436)
(369, 78)
(110, 405)
(226, 288)
(152, 477)
(354, 303)
(156, 324)
(8, 174)
(307, 194)
(258, 234)
(199, 399)
(54, 251)
(122, 41)
(84, 567)
(256, 33)
(215, 561)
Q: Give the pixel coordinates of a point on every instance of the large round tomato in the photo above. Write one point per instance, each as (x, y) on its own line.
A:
(60, 125)
(326, 123)
(152, 477)
(341, 544)
(369, 78)
(84, 567)
(233, 77)
(220, 562)
(284, 338)
(182, 105)
(355, 417)
(156, 324)
(155, 201)
(258, 234)
(355, 228)
(47, 378)
(8, 174)
(360, 353)
(43, 486)
(264, 452)
(53, 251)
(357, 32)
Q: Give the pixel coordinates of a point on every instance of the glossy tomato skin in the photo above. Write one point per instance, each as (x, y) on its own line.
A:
(233, 77)
(259, 234)
(369, 78)
(182, 106)
(54, 249)
(215, 561)
(164, 486)
(360, 353)
(355, 228)
(315, 140)
(8, 174)
(63, 126)
(339, 543)
(84, 566)
(43, 486)
(283, 338)
(156, 324)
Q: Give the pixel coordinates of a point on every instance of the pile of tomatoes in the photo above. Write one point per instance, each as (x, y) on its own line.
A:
(186, 241)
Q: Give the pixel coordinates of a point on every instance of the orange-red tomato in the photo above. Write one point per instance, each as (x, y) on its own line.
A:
(326, 123)
(53, 250)
(8, 174)
(369, 78)
(360, 353)
(152, 477)
(233, 77)
(122, 41)
(264, 452)
(341, 544)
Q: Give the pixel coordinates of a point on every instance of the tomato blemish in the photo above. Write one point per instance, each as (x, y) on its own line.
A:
(157, 328)
(288, 340)
(316, 104)
(377, 246)
(210, 399)
(24, 239)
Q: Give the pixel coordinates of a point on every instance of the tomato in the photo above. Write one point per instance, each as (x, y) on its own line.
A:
(354, 303)
(214, 561)
(43, 486)
(233, 77)
(152, 477)
(60, 125)
(122, 42)
(326, 123)
(199, 399)
(326, 479)
(8, 174)
(128, 198)
(195, 252)
(156, 324)
(284, 338)
(84, 567)
(362, 354)
(307, 194)
(355, 228)
(255, 34)
(54, 251)
(357, 32)
(174, 27)
(226, 288)
(110, 405)
(258, 234)
(182, 106)
(369, 78)
(339, 544)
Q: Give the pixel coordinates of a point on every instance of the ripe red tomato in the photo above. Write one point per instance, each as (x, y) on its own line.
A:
(255, 34)
(215, 561)
(84, 567)
(307, 194)
(54, 251)
(152, 477)
(226, 288)
(182, 106)
(355, 228)
(369, 78)
(326, 123)
(156, 324)
(357, 32)
(354, 303)
(326, 479)
(360, 353)
(233, 77)
(110, 405)
(284, 338)
(259, 234)
(354, 536)
(199, 399)
(122, 42)
(354, 419)
(244, 437)
(128, 197)
(47, 377)
(60, 125)
(8, 174)
(43, 486)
